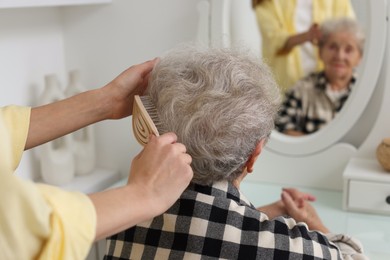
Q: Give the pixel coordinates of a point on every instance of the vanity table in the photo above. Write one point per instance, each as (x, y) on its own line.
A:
(319, 159)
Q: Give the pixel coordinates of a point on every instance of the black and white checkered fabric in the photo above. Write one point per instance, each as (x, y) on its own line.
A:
(218, 222)
(307, 107)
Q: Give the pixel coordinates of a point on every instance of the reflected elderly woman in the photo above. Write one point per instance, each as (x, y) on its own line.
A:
(316, 99)
(289, 33)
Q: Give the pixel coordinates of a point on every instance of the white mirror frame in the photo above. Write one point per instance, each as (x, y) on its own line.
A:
(218, 34)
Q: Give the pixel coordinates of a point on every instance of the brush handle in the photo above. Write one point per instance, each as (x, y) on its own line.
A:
(143, 125)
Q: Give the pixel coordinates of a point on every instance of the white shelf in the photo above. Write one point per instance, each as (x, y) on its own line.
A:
(98, 180)
(366, 170)
(42, 3)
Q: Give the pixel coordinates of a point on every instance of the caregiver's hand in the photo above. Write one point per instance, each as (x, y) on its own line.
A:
(121, 90)
(158, 176)
(161, 172)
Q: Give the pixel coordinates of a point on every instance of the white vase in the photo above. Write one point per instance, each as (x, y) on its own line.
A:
(83, 139)
(56, 157)
(74, 84)
(52, 91)
(57, 161)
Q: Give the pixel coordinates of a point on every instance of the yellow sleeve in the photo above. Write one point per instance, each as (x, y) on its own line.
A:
(343, 8)
(276, 23)
(349, 11)
(16, 119)
(72, 224)
(273, 27)
(327, 9)
(37, 221)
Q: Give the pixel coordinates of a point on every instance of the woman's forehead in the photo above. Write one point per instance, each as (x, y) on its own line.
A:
(342, 37)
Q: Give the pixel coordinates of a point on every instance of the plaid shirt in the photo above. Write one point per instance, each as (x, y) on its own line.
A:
(219, 222)
(307, 107)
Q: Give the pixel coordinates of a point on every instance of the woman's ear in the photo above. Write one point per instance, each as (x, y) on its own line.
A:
(253, 157)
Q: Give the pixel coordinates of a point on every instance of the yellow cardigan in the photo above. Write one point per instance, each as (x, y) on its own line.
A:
(37, 221)
(275, 19)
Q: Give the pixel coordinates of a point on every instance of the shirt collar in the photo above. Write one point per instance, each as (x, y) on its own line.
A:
(224, 189)
(321, 81)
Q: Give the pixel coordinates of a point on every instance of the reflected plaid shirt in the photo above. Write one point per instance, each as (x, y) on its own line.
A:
(218, 222)
(307, 107)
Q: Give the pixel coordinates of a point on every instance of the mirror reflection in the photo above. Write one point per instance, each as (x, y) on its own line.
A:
(313, 48)
(317, 98)
(289, 32)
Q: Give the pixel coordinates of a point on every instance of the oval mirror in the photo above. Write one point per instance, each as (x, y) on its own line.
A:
(234, 22)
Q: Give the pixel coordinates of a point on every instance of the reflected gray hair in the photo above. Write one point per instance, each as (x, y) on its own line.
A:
(219, 102)
(343, 24)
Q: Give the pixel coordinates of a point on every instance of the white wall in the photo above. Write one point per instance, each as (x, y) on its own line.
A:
(243, 16)
(104, 40)
(101, 41)
(31, 45)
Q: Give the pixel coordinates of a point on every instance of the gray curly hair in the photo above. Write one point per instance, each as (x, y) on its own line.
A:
(219, 102)
(342, 24)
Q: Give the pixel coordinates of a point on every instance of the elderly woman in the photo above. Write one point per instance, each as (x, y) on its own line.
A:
(316, 99)
(222, 104)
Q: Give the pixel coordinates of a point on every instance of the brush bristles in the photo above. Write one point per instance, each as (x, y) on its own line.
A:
(152, 112)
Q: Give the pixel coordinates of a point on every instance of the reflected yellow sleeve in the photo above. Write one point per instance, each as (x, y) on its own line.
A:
(326, 9)
(276, 23)
(274, 27)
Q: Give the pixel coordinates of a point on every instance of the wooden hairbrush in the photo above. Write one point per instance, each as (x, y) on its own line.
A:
(145, 119)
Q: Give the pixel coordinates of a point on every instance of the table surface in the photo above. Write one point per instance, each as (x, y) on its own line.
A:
(372, 230)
